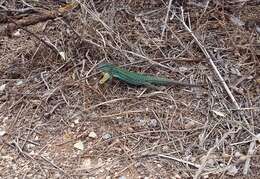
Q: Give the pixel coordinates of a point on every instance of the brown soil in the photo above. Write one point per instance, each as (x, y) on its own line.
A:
(57, 121)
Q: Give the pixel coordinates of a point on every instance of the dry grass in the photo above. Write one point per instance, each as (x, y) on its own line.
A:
(50, 103)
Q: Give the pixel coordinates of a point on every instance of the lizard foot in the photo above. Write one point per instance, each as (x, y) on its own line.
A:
(105, 78)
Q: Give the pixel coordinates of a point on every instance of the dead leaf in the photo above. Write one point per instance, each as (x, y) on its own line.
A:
(2, 87)
(232, 170)
(189, 125)
(79, 145)
(63, 56)
(257, 137)
(2, 131)
(218, 113)
(92, 135)
(237, 21)
(86, 164)
(258, 81)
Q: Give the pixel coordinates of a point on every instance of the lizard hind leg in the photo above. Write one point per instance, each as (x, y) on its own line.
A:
(151, 86)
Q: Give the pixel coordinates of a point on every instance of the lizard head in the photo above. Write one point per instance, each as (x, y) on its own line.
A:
(106, 67)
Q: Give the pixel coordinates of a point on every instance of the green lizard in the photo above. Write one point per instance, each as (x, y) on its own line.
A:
(137, 79)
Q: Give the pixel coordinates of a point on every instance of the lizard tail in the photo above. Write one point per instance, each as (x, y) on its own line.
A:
(185, 84)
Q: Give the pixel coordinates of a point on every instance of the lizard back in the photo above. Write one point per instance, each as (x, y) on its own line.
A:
(138, 78)
(135, 78)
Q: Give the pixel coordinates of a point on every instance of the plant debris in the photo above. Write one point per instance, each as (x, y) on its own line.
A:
(58, 121)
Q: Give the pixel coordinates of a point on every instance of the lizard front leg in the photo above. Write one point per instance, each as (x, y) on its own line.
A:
(106, 77)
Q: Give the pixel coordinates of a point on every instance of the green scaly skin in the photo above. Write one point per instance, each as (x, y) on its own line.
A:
(139, 79)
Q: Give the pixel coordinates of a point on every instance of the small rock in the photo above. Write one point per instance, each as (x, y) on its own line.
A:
(182, 69)
(92, 135)
(257, 29)
(237, 154)
(32, 153)
(5, 120)
(6, 157)
(226, 156)
(176, 176)
(210, 160)
(222, 165)
(205, 176)
(165, 148)
(141, 122)
(257, 137)
(152, 123)
(86, 164)
(238, 90)
(193, 159)
(106, 136)
(63, 56)
(17, 33)
(235, 71)
(56, 175)
(76, 121)
(122, 177)
(243, 157)
(20, 82)
(30, 146)
(237, 21)
(100, 161)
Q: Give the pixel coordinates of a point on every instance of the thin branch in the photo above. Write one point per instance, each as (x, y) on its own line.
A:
(237, 107)
(250, 152)
(204, 50)
(179, 160)
(166, 18)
